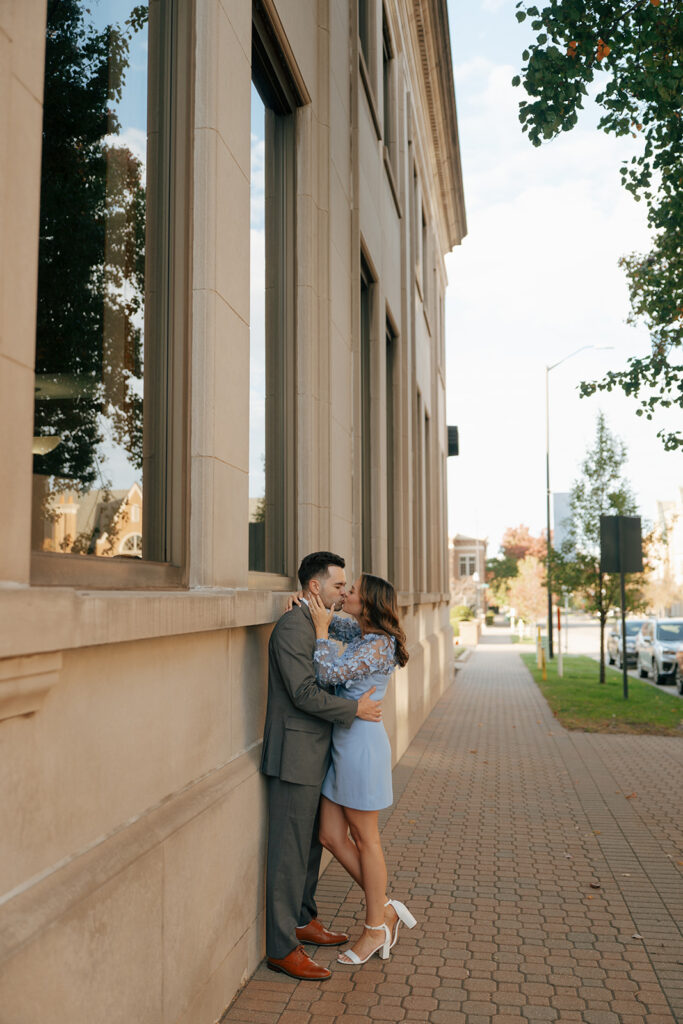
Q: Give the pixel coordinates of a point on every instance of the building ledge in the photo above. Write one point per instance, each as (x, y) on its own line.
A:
(37, 620)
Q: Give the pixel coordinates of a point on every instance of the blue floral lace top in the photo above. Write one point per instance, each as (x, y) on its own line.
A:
(363, 656)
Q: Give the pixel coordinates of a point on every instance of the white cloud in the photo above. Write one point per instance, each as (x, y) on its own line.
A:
(134, 139)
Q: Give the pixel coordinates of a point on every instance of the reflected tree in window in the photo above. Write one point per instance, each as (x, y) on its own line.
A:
(92, 252)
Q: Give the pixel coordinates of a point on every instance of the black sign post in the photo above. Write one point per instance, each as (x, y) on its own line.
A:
(621, 550)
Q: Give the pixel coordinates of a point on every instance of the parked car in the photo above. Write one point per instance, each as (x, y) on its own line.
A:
(678, 672)
(657, 645)
(633, 627)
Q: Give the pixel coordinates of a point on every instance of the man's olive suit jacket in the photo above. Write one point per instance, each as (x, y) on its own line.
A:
(300, 715)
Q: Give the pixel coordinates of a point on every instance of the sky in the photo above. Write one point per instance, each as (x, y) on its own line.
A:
(535, 279)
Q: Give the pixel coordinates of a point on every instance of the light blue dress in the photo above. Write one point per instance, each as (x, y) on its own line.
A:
(359, 775)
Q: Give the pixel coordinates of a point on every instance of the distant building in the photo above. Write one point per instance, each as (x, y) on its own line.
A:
(561, 518)
(467, 565)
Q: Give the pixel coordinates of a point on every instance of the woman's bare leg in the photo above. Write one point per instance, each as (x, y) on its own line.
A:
(365, 833)
(334, 836)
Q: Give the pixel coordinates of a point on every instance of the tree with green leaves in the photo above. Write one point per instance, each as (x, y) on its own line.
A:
(91, 253)
(600, 490)
(633, 51)
(517, 544)
(499, 574)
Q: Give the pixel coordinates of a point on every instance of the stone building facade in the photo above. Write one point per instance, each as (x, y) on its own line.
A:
(221, 260)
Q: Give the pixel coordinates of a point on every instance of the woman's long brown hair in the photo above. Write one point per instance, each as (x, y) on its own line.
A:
(380, 611)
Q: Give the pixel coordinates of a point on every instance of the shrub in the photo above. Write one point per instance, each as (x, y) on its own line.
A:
(462, 612)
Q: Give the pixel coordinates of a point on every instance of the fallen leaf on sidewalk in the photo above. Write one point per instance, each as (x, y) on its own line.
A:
(631, 796)
(596, 831)
(473, 751)
(626, 874)
(595, 885)
(636, 936)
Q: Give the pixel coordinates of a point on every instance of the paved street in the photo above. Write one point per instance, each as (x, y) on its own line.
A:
(544, 868)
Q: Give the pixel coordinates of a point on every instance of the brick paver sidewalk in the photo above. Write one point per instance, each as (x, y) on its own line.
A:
(544, 868)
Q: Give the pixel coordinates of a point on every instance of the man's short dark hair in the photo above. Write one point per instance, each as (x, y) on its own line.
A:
(318, 564)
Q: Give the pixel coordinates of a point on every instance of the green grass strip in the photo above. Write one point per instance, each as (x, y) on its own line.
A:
(579, 701)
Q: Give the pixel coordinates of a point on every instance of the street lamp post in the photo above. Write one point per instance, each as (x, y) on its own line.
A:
(547, 482)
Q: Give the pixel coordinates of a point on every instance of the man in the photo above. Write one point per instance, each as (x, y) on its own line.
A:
(296, 754)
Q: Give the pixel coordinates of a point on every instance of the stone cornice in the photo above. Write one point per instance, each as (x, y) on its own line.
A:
(433, 50)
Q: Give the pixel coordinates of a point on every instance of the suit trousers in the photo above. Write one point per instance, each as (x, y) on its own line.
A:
(294, 853)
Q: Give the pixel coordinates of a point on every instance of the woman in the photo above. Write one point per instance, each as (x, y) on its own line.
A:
(358, 783)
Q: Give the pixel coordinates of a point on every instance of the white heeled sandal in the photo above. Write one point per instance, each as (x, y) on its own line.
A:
(404, 917)
(383, 949)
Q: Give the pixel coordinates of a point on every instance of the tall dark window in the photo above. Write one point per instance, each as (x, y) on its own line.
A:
(273, 199)
(418, 495)
(390, 452)
(415, 213)
(109, 401)
(388, 90)
(364, 8)
(429, 524)
(425, 257)
(366, 297)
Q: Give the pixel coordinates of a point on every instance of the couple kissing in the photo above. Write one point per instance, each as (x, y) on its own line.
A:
(327, 759)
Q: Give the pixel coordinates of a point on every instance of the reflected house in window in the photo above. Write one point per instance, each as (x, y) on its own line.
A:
(100, 522)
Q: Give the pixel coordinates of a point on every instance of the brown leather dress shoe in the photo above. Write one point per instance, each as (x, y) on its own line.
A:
(316, 934)
(299, 965)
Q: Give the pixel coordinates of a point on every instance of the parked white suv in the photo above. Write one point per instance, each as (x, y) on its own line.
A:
(633, 627)
(656, 646)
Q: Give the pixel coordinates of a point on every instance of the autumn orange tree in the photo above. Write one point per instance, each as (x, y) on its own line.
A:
(518, 542)
(633, 51)
(517, 546)
(527, 594)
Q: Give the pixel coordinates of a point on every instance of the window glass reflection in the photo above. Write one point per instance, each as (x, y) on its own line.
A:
(257, 341)
(91, 284)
